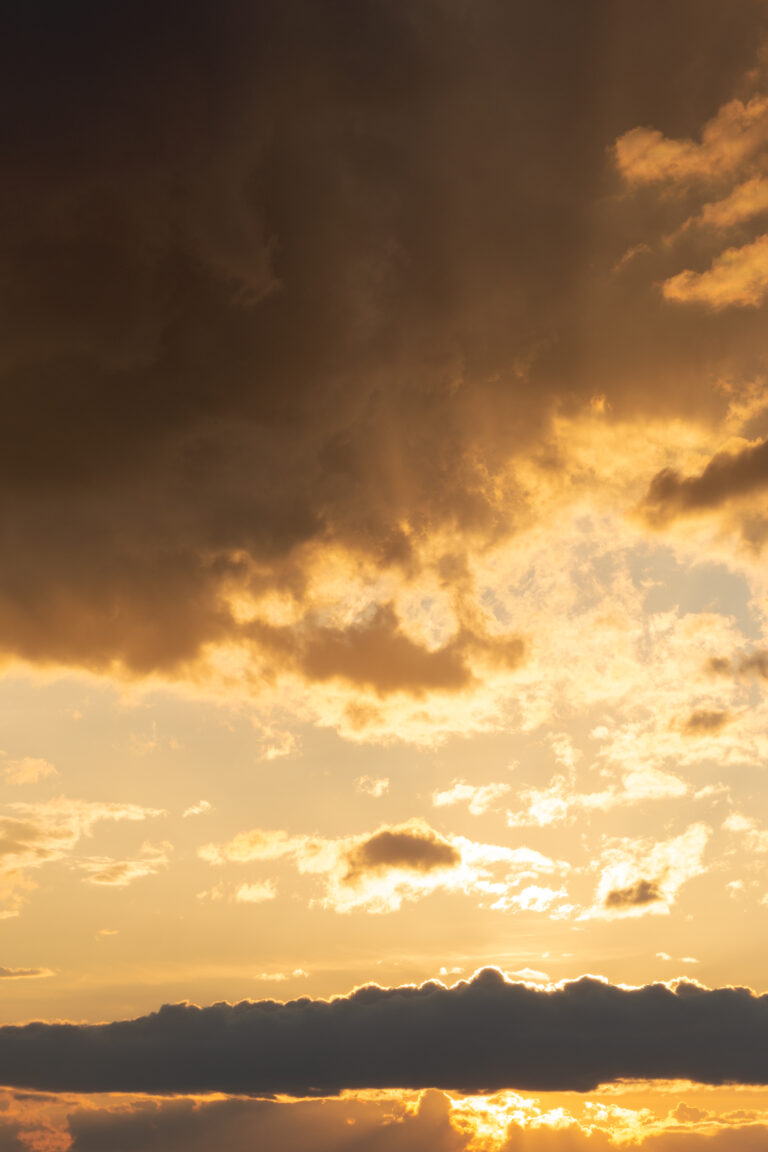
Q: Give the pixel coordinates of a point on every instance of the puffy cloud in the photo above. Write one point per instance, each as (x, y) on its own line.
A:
(639, 876)
(738, 277)
(374, 786)
(28, 770)
(560, 801)
(485, 1034)
(743, 203)
(378, 871)
(198, 809)
(479, 797)
(728, 141)
(705, 721)
(727, 476)
(255, 893)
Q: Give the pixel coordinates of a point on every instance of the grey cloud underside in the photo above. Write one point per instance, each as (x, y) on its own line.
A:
(482, 1035)
(727, 476)
(272, 273)
(635, 895)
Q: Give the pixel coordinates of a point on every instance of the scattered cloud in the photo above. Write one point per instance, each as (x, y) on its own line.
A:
(25, 973)
(479, 797)
(32, 835)
(729, 140)
(106, 871)
(738, 277)
(375, 786)
(198, 809)
(378, 871)
(641, 876)
(255, 893)
(28, 770)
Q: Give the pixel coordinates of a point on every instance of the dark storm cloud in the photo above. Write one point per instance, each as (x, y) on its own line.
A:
(280, 273)
(726, 476)
(482, 1035)
(634, 895)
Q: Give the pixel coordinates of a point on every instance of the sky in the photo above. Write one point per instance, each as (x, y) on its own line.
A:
(383, 584)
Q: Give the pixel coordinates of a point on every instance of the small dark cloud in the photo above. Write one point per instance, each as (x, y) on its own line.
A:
(482, 1035)
(415, 851)
(634, 895)
(706, 722)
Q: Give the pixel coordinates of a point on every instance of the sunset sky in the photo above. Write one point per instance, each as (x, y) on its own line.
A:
(383, 582)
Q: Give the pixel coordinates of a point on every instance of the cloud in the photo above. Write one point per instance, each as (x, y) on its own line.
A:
(728, 141)
(738, 277)
(316, 323)
(560, 801)
(374, 786)
(727, 476)
(413, 849)
(640, 876)
(479, 797)
(380, 870)
(199, 809)
(502, 1035)
(106, 871)
(744, 202)
(28, 770)
(256, 893)
(32, 835)
(388, 1125)
(25, 973)
(705, 722)
(634, 896)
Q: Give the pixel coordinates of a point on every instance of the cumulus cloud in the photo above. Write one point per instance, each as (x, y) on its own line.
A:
(197, 809)
(727, 476)
(640, 876)
(738, 277)
(28, 770)
(378, 871)
(728, 141)
(479, 797)
(560, 801)
(500, 1035)
(374, 786)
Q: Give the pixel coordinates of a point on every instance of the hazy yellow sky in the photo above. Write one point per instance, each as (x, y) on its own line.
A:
(383, 592)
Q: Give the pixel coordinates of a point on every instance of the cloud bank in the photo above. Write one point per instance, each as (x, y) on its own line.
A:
(482, 1035)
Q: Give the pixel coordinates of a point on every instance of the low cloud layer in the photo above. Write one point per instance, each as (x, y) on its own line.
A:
(486, 1034)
